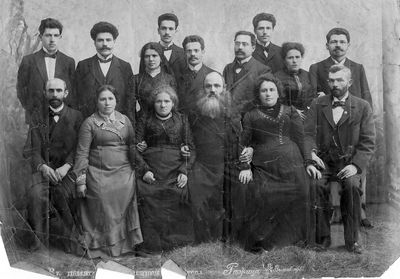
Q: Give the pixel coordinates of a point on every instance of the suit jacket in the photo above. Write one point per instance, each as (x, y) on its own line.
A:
(32, 78)
(319, 76)
(89, 78)
(274, 59)
(177, 61)
(242, 88)
(53, 143)
(189, 86)
(356, 130)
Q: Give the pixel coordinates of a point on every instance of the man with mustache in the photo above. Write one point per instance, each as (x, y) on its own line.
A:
(51, 144)
(240, 75)
(213, 183)
(339, 142)
(190, 81)
(266, 52)
(102, 68)
(45, 64)
(167, 27)
(337, 43)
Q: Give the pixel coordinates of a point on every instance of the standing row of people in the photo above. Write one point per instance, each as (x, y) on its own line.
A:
(222, 154)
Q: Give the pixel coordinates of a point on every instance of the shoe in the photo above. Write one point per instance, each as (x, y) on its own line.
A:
(366, 224)
(355, 248)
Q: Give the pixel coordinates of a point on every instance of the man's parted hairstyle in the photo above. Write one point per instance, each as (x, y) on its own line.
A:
(50, 23)
(168, 16)
(337, 68)
(193, 39)
(264, 16)
(103, 27)
(338, 31)
(247, 33)
(260, 80)
(107, 87)
(287, 46)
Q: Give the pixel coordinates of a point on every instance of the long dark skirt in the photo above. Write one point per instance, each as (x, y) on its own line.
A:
(164, 211)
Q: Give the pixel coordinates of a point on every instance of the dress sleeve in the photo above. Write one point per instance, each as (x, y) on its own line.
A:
(297, 129)
(135, 157)
(85, 139)
(247, 133)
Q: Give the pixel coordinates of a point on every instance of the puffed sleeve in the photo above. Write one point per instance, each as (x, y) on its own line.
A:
(85, 139)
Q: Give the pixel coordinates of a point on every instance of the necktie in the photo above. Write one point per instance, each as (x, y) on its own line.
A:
(104, 60)
(54, 113)
(338, 104)
(167, 48)
(239, 67)
(50, 55)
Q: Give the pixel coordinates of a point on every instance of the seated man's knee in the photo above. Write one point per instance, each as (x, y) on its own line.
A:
(352, 183)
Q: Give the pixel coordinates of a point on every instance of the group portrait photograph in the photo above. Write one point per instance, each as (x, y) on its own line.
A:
(200, 139)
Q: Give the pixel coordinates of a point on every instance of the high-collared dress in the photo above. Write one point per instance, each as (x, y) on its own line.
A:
(109, 214)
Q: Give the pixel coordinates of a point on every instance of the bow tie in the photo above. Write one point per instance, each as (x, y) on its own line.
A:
(167, 48)
(266, 48)
(338, 104)
(54, 113)
(104, 60)
(50, 55)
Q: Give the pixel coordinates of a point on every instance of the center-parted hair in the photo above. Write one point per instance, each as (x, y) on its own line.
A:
(107, 87)
(193, 39)
(247, 33)
(50, 23)
(286, 47)
(157, 48)
(103, 27)
(338, 31)
(260, 80)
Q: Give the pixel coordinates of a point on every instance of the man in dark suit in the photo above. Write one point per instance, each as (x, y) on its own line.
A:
(241, 74)
(45, 64)
(51, 144)
(266, 52)
(338, 42)
(167, 27)
(102, 68)
(339, 142)
(190, 81)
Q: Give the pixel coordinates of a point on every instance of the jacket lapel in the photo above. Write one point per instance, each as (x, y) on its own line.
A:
(327, 111)
(59, 62)
(348, 110)
(41, 65)
(96, 70)
(113, 70)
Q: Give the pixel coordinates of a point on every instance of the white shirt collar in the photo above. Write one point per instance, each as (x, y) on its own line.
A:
(262, 44)
(102, 58)
(45, 50)
(244, 60)
(338, 63)
(195, 68)
(57, 109)
(346, 95)
(163, 44)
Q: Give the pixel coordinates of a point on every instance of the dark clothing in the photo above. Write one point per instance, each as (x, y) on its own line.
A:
(319, 78)
(189, 85)
(32, 78)
(164, 210)
(277, 198)
(241, 85)
(214, 175)
(274, 59)
(89, 78)
(297, 90)
(350, 141)
(143, 86)
(177, 61)
(52, 143)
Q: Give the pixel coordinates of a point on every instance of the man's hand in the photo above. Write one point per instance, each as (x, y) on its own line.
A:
(49, 173)
(185, 152)
(320, 94)
(62, 171)
(301, 113)
(182, 180)
(247, 155)
(81, 190)
(137, 106)
(313, 172)
(245, 176)
(318, 160)
(347, 172)
(141, 146)
(148, 177)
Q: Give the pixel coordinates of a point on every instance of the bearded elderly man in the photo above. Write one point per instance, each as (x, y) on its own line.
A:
(339, 142)
(214, 185)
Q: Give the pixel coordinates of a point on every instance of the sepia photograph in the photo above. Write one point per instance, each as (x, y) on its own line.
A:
(200, 139)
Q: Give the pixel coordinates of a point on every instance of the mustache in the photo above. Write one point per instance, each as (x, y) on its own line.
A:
(239, 52)
(338, 48)
(105, 48)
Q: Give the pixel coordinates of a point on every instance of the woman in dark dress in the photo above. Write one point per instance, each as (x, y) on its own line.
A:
(276, 199)
(162, 174)
(104, 167)
(153, 72)
(297, 89)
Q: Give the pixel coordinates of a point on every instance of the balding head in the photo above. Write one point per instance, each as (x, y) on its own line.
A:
(214, 83)
(56, 92)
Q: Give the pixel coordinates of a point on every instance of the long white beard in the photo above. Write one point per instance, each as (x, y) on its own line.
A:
(210, 106)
